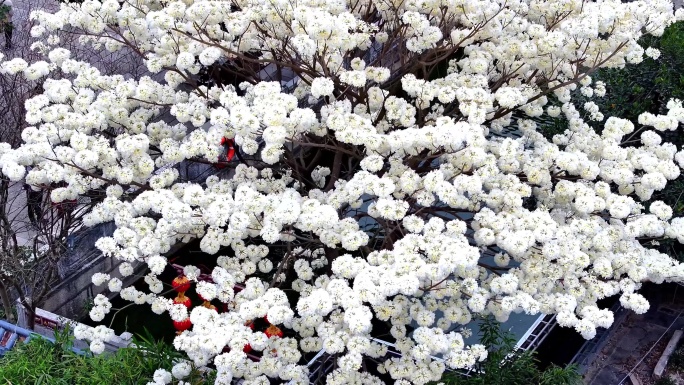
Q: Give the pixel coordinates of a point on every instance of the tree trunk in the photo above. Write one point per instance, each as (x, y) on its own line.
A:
(31, 314)
(6, 303)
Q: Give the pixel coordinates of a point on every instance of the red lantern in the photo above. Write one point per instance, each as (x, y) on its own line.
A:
(228, 156)
(206, 303)
(183, 300)
(273, 331)
(182, 325)
(181, 284)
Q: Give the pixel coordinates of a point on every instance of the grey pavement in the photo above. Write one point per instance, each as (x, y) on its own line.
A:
(637, 343)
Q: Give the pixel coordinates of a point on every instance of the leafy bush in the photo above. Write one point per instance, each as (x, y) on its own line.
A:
(649, 85)
(507, 366)
(42, 362)
(638, 88)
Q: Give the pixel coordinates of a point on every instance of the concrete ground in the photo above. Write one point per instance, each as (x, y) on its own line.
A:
(637, 343)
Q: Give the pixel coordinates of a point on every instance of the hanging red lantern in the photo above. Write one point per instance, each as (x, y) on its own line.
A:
(273, 331)
(206, 303)
(181, 284)
(182, 325)
(202, 298)
(226, 157)
(183, 300)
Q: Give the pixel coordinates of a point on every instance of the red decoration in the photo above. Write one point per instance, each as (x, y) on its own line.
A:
(182, 325)
(273, 331)
(229, 154)
(206, 303)
(181, 284)
(247, 348)
(183, 300)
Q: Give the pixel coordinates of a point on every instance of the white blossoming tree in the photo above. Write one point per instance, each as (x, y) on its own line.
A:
(360, 179)
(34, 230)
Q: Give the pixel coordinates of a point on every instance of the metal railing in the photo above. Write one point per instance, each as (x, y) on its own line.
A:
(584, 357)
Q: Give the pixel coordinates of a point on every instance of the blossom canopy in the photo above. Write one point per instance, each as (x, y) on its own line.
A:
(361, 157)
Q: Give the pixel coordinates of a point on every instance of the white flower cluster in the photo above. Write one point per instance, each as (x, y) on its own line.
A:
(96, 335)
(101, 307)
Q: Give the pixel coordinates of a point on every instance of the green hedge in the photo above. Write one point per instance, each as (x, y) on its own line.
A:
(648, 86)
(41, 362)
(644, 87)
(505, 365)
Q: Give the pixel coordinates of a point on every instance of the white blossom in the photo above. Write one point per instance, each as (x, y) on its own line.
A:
(342, 178)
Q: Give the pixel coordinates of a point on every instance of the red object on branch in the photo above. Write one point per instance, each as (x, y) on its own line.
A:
(201, 298)
(182, 325)
(183, 300)
(181, 284)
(247, 348)
(273, 331)
(229, 154)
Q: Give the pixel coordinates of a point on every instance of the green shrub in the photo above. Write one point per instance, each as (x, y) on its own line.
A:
(507, 366)
(41, 362)
(637, 88)
(648, 87)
